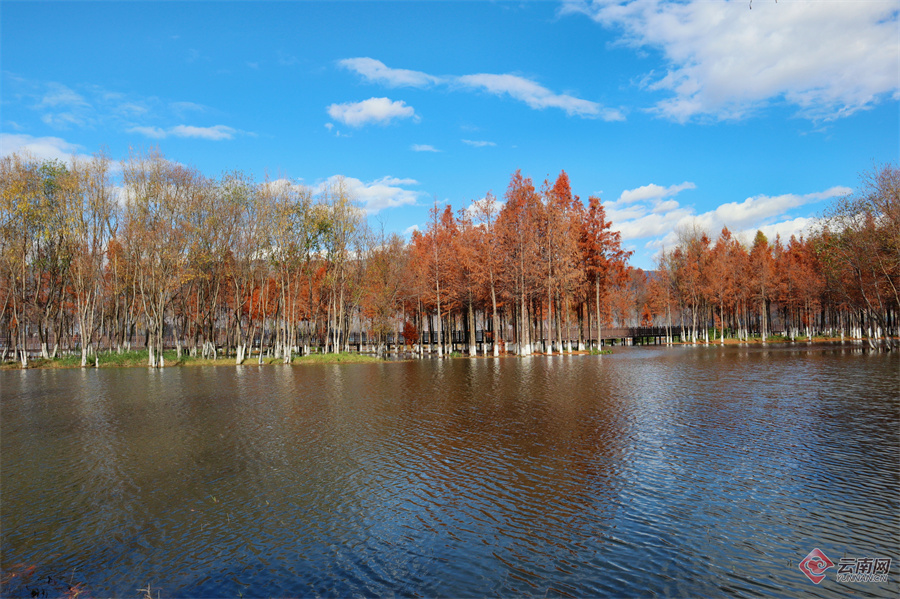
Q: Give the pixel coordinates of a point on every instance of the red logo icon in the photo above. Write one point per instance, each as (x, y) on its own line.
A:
(815, 564)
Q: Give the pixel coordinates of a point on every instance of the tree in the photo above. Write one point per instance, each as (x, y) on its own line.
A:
(486, 268)
(91, 214)
(518, 224)
(155, 192)
(466, 244)
(762, 268)
(720, 280)
(383, 285)
(860, 249)
(343, 221)
(292, 239)
(603, 258)
(559, 247)
(246, 216)
(437, 257)
(22, 221)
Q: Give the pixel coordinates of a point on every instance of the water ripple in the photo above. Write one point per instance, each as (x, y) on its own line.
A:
(680, 471)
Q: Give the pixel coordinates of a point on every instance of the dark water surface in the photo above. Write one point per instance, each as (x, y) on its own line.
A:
(685, 471)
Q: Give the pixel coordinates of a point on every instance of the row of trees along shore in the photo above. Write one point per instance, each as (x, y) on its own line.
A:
(157, 255)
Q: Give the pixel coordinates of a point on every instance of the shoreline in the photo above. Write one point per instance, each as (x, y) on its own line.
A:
(138, 359)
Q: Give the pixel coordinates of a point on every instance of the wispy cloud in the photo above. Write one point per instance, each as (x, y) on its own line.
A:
(373, 110)
(537, 96)
(93, 106)
(151, 132)
(726, 61)
(58, 94)
(65, 120)
(423, 148)
(185, 107)
(214, 133)
(378, 72)
(478, 144)
(519, 88)
(287, 60)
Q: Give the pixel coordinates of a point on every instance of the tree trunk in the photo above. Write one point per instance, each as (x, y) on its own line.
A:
(473, 350)
(597, 299)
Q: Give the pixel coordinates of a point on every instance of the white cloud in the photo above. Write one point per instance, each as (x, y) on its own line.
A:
(424, 148)
(653, 192)
(152, 132)
(753, 212)
(537, 96)
(97, 107)
(183, 107)
(522, 89)
(666, 206)
(373, 110)
(657, 221)
(60, 95)
(46, 148)
(757, 209)
(377, 195)
(398, 181)
(642, 211)
(131, 109)
(215, 133)
(652, 225)
(829, 59)
(283, 185)
(377, 72)
(478, 206)
(800, 226)
(478, 144)
(42, 148)
(63, 120)
(409, 230)
(619, 214)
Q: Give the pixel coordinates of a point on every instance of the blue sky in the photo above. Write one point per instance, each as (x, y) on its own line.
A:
(675, 113)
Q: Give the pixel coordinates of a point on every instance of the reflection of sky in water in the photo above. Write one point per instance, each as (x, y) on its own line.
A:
(686, 471)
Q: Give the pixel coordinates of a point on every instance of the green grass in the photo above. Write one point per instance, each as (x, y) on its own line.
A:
(141, 358)
(600, 352)
(340, 358)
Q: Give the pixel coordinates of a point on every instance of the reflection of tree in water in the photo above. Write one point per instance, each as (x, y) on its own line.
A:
(505, 458)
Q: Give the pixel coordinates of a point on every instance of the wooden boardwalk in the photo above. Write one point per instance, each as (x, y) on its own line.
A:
(638, 335)
(610, 336)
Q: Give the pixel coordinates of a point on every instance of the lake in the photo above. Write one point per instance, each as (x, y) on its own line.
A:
(686, 471)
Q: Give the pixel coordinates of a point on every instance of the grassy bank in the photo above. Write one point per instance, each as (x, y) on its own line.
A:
(140, 358)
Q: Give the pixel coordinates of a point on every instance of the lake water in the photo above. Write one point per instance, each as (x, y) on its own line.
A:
(687, 471)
